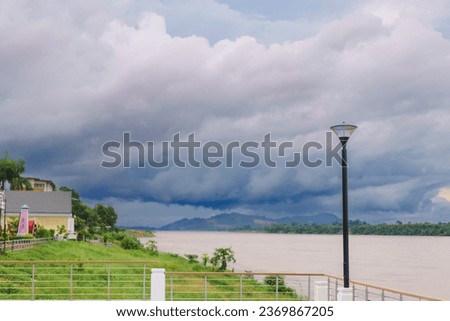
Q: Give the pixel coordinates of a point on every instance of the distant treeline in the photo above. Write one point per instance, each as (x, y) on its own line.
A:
(364, 228)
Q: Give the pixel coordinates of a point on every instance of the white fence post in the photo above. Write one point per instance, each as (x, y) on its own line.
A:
(158, 290)
(345, 294)
(321, 291)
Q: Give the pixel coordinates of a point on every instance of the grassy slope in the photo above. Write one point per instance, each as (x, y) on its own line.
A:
(82, 251)
(91, 281)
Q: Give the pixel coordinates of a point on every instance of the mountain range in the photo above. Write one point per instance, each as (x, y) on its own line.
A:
(237, 221)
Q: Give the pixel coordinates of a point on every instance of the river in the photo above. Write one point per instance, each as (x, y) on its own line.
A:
(414, 264)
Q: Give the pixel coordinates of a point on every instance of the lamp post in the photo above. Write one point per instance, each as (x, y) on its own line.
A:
(344, 131)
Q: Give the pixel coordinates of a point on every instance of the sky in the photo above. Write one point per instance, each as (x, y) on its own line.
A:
(75, 75)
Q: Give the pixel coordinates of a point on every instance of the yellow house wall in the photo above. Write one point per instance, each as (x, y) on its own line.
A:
(48, 222)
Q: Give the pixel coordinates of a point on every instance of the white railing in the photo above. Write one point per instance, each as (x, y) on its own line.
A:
(238, 286)
(132, 280)
(75, 280)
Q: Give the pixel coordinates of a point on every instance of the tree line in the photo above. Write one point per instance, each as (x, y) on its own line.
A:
(358, 227)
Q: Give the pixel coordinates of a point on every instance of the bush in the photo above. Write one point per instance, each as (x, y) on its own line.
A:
(130, 243)
(119, 236)
(152, 247)
(107, 237)
(42, 232)
(192, 258)
(82, 235)
(271, 281)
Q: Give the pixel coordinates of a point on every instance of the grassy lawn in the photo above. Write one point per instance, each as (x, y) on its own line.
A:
(130, 279)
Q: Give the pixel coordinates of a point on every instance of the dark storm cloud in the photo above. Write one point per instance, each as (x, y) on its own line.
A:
(76, 76)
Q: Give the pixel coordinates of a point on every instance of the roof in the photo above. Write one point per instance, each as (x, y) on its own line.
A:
(39, 202)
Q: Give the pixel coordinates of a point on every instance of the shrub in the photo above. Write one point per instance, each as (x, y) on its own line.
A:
(130, 243)
(271, 281)
(107, 237)
(192, 258)
(42, 232)
(151, 247)
(205, 259)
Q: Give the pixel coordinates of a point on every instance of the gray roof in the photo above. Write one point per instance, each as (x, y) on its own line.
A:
(39, 202)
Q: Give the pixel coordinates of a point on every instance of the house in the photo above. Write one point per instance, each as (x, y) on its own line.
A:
(45, 209)
(41, 185)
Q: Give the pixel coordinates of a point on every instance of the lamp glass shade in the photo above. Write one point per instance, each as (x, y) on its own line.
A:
(343, 131)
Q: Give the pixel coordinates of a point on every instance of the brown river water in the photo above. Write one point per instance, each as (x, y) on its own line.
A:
(414, 264)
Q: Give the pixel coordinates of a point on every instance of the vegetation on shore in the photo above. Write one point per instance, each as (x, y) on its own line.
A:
(358, 227)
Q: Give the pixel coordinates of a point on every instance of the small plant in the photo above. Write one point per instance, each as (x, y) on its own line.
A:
(13, 226)
(151, 247)
(277, 283)
(205, 259)
(107, 237)
(192, 258)
(61, 229)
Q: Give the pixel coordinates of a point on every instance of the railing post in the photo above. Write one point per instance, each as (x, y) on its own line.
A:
(309, 287)
(32, 281)
(171, 288)
(71, 282)
(276, 287)
(206, 288)
(382, 295)
(143, 282)
(321, 291)
(367, 293)
(108, 269)
(336, 285)
(345, 294)
(158, 290)
(241, 286)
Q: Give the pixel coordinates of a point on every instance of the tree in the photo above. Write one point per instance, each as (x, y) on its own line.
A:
(221, 257)
(11, 171)
(205, 259)
(107, 216)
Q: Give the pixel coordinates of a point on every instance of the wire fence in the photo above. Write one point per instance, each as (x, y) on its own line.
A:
(116, 280)
(82, 280)
(283, 287)
(22, 244)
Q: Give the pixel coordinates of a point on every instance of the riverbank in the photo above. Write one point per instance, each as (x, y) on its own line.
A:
(416, 264)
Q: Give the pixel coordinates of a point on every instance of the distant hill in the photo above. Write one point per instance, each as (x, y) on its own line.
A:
(237, 221)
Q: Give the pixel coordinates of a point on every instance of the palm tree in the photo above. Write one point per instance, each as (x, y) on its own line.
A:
(18, 182)
(11, 171)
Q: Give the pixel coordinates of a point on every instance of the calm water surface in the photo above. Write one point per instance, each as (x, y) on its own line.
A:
(415, 264)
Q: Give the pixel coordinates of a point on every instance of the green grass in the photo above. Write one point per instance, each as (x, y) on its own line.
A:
(90, 281)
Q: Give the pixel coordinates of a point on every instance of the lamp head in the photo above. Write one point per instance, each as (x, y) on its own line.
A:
(343, 131)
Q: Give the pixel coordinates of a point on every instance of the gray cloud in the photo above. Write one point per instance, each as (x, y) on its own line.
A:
(73, 77)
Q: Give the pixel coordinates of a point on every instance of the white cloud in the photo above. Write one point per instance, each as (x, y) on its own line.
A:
(444, 194)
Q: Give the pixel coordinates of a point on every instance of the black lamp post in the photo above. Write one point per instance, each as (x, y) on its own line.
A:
(344, 131)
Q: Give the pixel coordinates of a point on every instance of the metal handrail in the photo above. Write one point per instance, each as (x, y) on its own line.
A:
(382, 288)
(361, 290)
(75, 262)
(331, 276)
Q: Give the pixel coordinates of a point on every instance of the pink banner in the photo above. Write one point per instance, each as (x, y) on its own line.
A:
(23, 221)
